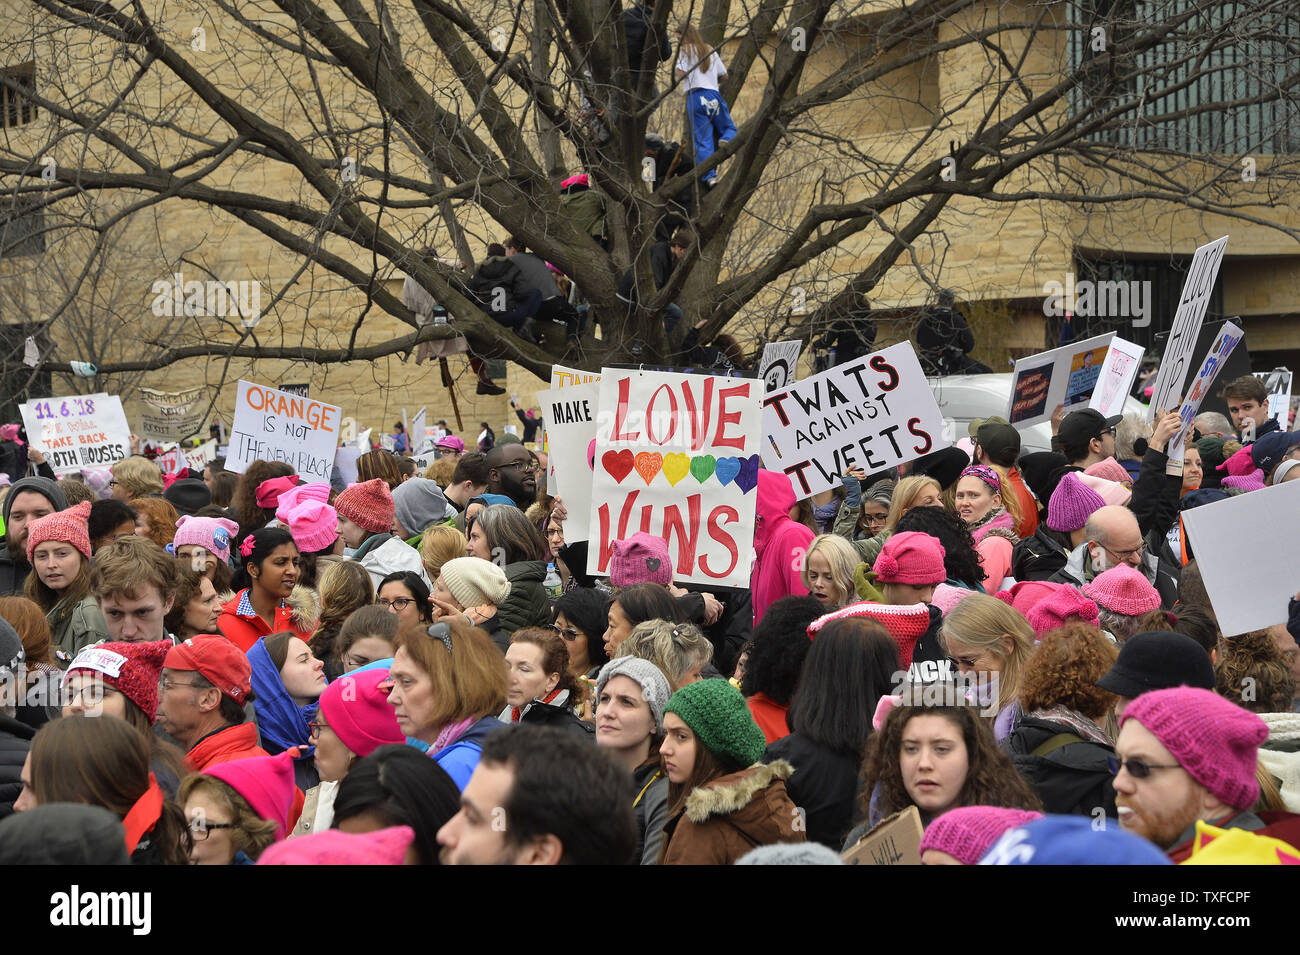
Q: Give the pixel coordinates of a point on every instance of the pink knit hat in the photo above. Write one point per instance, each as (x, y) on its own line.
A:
(266, 782)
(1057, 609)
(946, 596)
(1239, 464)
(369, 505)
(1215, 740)
(970, 831)
(212, 533)
(905, 623)
(296, 495)
(1123, 590)
(1110, 492)
(911, 558)
(640, 559)
(1111, 470)
(450, 443)
(313, 524)
(1071, 504)
(269, 491)
(1025, 594)
(1254, 481)
(333, 847)
(359, 712)
(67, 526)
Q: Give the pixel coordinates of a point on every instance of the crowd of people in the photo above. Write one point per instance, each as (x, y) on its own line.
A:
(215, 668)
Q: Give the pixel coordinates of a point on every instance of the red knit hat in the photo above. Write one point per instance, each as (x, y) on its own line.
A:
(67, 526)
(217, 660)
(1057, 609)
(369, 505)
(911, 558)
(268, 492)
(1123, 590)
(906, 624)
(132, 669)
(265, 781)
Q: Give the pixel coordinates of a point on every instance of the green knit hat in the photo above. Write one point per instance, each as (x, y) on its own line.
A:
(717, 715)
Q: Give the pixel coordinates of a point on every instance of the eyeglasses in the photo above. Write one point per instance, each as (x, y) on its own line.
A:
(315, 728)
(963, 661)
(1105, 431)
(528, 467)
(199, 830)
(1123, 555)
(397, 604)
(165, 684)
(441, 631)
(566, 633)
(1137, 768)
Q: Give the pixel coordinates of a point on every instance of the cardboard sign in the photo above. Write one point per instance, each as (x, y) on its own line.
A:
(677, 457)
(272, 425)
(1123, 361)
(876, 412)
(203, 455)
(1180, 348)
(1278, 383)
(780, 364)
(1248, 549)
(562, 377)
(1063, 376)
(170, 415)
(570, 417)
(895, 841)
(1223, 345)
(82, 431)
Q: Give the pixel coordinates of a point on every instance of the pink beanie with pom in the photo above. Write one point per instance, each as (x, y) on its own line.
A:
(1025, 594)
(1058, 609)
(911, 558)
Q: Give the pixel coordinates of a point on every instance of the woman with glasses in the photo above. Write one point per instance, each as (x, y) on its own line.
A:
(503, 535)
(874, 512)
(287, 682)
(446, 684)
(580, 620)
(1061, 745)
(989, 643)
(238, 808)
(404, 593)
(539, 687)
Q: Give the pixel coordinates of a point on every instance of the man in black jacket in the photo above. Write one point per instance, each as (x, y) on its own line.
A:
(641, 34)
(944, 340)
(28, 499)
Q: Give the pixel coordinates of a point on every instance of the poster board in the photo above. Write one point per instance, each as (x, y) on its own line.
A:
(875, 412)
(779, 366)
(170, 415)
(570, 418)
(417, 433)
(273, 425)
(563, 376)
(895, 841)
(1180, 348)
(677, 457)
(79, 431)
(1062, 376)
(1278, 383)
(1248, 550)
(200, 457)
(1118, 372)
(1228, 338)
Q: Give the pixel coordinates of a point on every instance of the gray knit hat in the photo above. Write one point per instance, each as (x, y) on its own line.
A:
(791, 853)
(11, 648)
(654, 685)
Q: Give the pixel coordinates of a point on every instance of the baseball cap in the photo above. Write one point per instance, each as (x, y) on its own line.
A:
(1268, 450)
(1080, 427)
(1000, 441)
(217, 660)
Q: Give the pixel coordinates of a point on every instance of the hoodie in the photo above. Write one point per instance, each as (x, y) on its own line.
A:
(14, 571)
(419, 502)
(724, 819)
(384, 554)
(779, 544)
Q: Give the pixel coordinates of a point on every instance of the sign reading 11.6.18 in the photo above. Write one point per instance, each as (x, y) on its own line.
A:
(80, 431)
(65, 408)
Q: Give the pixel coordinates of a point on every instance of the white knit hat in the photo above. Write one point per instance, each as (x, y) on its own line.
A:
(474, 581)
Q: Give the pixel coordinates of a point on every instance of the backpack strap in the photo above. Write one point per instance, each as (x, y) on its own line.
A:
(1055, 743)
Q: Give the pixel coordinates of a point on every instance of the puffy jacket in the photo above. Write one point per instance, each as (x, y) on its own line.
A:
(498, 272)
(557, 714)
(245, 629)
(384, 554)
(528, 604)
(824, 785)
(461, 757)
(777, 541)
(15, 740)
(1040, 556)
(724, 819)
(1070, 779)
(226, 744)
(75, 627)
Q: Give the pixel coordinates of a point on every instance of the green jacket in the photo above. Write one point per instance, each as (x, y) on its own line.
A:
(75, 627)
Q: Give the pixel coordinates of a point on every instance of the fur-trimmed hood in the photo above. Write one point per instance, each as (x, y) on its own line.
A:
(734, 794)
(303, 602)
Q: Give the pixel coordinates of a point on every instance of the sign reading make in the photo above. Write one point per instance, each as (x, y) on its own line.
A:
(273, 425)
(873, 413)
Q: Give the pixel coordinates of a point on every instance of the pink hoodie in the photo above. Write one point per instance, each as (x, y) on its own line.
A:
(779, 543)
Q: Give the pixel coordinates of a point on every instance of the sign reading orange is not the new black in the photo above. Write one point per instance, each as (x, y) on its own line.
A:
(274, 425)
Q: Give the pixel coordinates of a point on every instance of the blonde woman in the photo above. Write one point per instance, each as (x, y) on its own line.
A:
(680, 650)
(136, 477)
(700, 70)
(440, 543)
(990, 639)
(828, 571)
(917, 491)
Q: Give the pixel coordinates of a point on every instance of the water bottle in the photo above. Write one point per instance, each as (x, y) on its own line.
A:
(552, 583)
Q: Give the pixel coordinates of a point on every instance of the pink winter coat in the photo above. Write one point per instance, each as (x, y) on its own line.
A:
(779, 543)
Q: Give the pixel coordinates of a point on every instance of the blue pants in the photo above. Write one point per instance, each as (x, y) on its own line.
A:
(710, 123)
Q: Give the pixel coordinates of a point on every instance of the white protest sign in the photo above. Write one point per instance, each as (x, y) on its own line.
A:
(363, 439)
(1278, 383)
(779, 365)
(1248, 552)
(171, 460)
(1116, 379)
(272, 425)
(570, 416)
(1062, 376)
(1224, 343)
(345, 459)
(1192, 303)
(170, 416)
(200, 457)
(417, 431)
(677, 458)
(82, 431)
(563, 377)
(875, 413)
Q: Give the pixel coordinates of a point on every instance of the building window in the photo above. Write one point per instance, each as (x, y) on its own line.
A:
(1152, 289)
(22, 227)
(16, 106)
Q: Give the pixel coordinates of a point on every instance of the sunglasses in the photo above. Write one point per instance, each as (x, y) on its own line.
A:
(441, 631)
(1137, 768)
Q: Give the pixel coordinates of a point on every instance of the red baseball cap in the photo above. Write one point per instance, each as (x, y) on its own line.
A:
(217, 660)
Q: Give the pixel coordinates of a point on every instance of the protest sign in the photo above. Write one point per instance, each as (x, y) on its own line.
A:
(1118, 371)
(1278, 383)
(1180, 348)
(82, 431)
(416, 434)
(780, 364)
(271, 425)
(171, 460)
(563, 377)
(895, 841)
(345, 459)
(200, 457)
(677, 457)
(299, 390)
(876, 412)
(570, 417)
(1223, 345)
(170, 415)
(1063, 376)
(1247, 549)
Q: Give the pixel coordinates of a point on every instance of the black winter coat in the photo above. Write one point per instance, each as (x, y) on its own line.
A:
(637, 23)
(1040, 556)
(15, 740)
(497, 272)
(556, 717)
(1073, 779)
(13, 575)
(733, 628)
(930, 663)
(825, 785)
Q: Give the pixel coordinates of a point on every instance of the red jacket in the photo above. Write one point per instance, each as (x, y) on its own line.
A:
(231, 743)
(244, 630)
(769, 715)
(1028, 523)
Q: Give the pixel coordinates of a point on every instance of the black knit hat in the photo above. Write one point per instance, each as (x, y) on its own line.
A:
(1038, 468)
(1158, 660)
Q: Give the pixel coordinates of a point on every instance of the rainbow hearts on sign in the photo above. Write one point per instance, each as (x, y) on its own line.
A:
(702, 467)
(618, 463)
(676, 467)
(648, 464)
(747, 479)
(727, 470)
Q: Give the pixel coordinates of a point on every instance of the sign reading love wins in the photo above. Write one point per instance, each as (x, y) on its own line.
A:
(677, 458)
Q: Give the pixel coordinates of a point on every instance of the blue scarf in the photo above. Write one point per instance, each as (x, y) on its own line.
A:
(280, 721)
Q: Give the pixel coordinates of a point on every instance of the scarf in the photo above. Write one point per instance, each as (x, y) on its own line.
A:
(142, 817)
(280, 721)
(996, 522)
(516, 712)
(1085, 727)
(450, 733)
